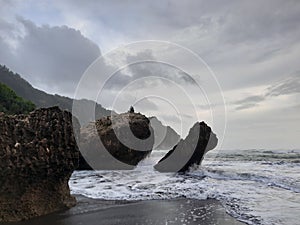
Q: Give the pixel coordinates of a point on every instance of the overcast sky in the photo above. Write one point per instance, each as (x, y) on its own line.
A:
(252, 47)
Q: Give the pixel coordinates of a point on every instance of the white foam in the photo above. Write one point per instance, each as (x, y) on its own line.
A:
(251, 191)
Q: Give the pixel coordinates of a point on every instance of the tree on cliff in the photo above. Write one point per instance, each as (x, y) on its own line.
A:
(10, 103)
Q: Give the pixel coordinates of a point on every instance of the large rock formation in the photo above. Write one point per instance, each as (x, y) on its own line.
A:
(116, 142)
(38, 154)
(164, 136)
(189, 151)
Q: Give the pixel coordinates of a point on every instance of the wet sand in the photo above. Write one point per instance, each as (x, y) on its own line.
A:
(99, 212)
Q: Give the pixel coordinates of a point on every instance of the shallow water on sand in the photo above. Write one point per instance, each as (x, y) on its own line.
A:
(257, 187)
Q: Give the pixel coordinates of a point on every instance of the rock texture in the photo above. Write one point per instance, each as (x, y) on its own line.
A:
(189, 151)
(164, 136)
(116, 142)
(38, 154)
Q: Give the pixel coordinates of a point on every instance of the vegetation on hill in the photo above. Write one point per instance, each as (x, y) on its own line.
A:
(11, 103)
(42, 99)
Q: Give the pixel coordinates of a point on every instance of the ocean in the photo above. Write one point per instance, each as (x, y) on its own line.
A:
(254, 186)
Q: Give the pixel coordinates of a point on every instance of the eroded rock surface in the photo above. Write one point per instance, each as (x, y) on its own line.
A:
(189, 151)
(165, 136)
(116, 142)
(38, 154)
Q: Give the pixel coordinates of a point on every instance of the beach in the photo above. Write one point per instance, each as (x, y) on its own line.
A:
(178, 211)
(256, 187)
(260, 187)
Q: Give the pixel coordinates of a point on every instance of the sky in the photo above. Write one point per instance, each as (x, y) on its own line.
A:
(245, 84)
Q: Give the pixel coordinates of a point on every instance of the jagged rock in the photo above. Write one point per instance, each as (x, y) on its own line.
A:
(116, 142)
(164, 136)
(38, 154)
(189, 151)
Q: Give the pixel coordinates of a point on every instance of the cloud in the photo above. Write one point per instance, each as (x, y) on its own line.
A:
(287, 86)
(146, 104)
(229, 37)
(122, 102)
(52, 58)
(238, 21)
(252, 22)
(7, 40)
(139, 70)
(249, 102)
(171, 118)
(247, 44)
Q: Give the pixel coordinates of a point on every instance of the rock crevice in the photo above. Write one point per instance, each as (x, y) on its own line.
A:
(38, 154)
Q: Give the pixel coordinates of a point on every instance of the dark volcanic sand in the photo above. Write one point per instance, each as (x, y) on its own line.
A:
(98, 212)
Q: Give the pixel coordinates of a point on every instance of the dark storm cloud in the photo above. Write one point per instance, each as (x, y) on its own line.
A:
(51, 57)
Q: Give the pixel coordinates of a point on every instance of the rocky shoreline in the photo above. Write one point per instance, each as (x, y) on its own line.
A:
(38, 154)
(40, 151)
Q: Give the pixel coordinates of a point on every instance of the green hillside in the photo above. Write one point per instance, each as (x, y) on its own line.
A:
(11, 103)
(42, 99)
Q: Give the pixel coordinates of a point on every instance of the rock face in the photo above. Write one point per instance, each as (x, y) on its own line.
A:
(164, 136)
(190, 151)
(38, 154)
(116, 142)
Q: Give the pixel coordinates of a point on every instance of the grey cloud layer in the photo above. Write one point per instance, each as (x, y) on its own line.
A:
(233, 37)
(288, 86)
(144, 67)
(246, 43)
(50, 57)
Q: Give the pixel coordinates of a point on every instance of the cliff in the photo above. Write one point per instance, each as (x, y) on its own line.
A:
(38, 154)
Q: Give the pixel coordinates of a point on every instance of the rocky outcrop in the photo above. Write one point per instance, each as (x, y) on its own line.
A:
(189, 151)
(116, 142)
(164, 136)
(38, 154)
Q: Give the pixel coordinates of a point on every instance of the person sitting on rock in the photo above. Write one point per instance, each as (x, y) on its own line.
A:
(131, 110)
